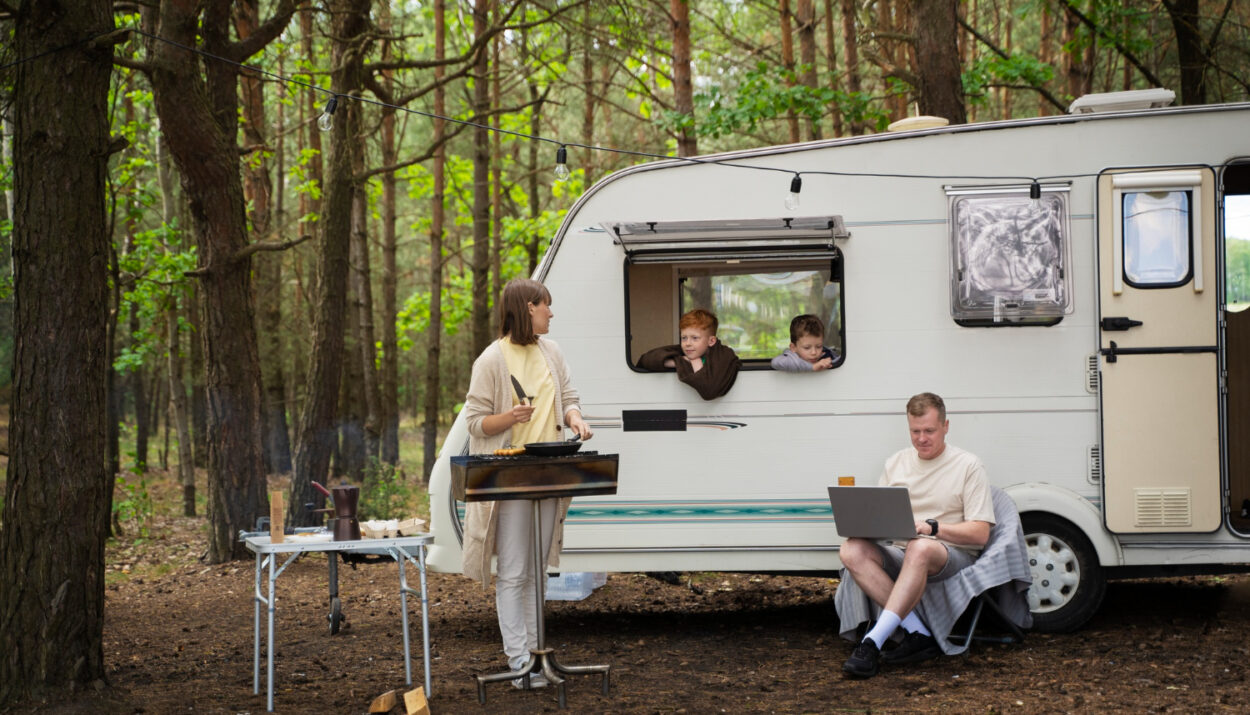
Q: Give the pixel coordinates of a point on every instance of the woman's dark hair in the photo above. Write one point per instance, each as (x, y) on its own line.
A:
(514, 309)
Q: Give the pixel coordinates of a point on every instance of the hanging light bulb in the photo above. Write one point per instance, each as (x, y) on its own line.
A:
(792, 198)
(1035, 196)
(326, 120)
(562, 167)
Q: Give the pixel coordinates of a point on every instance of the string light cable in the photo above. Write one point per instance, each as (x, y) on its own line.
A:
(562, 170)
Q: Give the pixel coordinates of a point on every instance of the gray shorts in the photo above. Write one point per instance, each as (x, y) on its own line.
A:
(956, 560)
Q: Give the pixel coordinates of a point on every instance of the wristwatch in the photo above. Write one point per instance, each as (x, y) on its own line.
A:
(933, 524)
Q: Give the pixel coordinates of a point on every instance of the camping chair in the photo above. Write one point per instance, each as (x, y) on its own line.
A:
(999, 580)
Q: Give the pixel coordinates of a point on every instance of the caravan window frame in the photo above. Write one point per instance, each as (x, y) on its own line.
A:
(979, 295)
(828, 262)
(1187, 181)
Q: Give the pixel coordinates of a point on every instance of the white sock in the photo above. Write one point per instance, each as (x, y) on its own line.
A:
(885, 627)
(913, 624)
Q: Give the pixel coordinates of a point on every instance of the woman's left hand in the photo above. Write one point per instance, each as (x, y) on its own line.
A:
(575, 422)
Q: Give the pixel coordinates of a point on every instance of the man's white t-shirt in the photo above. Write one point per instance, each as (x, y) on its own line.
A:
(950, 488)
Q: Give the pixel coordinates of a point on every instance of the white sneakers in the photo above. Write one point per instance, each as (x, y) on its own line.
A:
(537, 680)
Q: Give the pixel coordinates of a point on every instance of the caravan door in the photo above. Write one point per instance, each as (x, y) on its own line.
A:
(1159, 381)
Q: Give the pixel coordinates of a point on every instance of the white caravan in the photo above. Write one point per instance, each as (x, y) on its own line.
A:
(1080, 337)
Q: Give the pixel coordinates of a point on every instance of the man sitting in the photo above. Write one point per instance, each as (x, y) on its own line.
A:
(952, 503)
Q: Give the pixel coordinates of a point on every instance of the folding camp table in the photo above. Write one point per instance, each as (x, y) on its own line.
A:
(401, 549)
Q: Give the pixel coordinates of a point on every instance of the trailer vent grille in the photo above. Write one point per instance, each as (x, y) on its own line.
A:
(1095, 464)
(1091, 374)
(1163, 507)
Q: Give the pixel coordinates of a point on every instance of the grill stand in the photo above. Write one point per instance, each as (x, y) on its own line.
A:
(542, 659)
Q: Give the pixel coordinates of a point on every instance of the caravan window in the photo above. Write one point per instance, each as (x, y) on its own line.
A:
(756, 275)
(1156, 233)
(1009, 256)
(753, 300)
(755, 307)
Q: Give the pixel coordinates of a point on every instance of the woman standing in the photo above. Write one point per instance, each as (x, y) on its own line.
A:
(496, 418)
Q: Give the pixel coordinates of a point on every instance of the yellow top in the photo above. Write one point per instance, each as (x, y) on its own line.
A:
(527, 365)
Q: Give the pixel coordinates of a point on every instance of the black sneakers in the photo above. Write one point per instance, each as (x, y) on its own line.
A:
(913, 649)
(863, 662)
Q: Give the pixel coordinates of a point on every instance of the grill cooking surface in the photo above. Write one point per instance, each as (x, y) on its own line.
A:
(487, 477)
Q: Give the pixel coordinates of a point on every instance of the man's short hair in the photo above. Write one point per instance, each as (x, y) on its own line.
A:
(701, 319)
(806, 324)
(918, 405)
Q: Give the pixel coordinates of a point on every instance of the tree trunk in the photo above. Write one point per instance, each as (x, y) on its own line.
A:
(831, 51)
(199, 403)
(937, 58)
(258, 190)
(589, 95)
(787, 62)
(366, 351)
(481, 184)
(429, 423)
(1189, 52)
(57, 490)
(136, 379)
(199, 115)
(390, 276)
(317, 428)
(850, 43)
(805, 16)
(113, 392)
(177, 381)
(683, 88)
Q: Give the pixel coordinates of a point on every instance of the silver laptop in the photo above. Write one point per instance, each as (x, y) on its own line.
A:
(872, 512)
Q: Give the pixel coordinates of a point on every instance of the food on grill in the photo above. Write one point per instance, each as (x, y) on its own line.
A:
(509, 451)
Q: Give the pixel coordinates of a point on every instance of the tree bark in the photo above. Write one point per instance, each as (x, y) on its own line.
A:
(1189, 51)
(258, 190)
(390, 277)
(787, 61)
(850, 44)
(683, 87)
(366, 345)
(317, 430)
(199, 115)
(481, 183)
(57, 490)
(937, 57)
(430, 413)
(805, 16)
(177, 379)
(831, 50)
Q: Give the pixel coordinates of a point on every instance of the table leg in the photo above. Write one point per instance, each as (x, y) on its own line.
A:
(273, 578)
(404, 589)
(256, 600)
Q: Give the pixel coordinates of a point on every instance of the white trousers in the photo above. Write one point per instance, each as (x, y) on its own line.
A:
(514, 584)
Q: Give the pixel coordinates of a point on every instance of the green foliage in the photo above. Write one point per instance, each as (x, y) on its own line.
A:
(766, 92)
(1237, 264)
(1016, 71)
(132, 504)
(153, 270)
(386, 495)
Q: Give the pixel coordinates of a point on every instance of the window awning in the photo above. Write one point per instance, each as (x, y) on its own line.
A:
(796, 236)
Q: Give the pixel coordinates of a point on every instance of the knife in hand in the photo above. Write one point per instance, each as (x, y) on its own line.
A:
(520, 393)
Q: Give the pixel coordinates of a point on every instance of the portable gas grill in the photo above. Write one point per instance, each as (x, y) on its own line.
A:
(524, 476)
(488, 477)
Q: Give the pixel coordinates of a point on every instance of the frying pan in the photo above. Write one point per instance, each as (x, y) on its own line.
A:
(554, 449)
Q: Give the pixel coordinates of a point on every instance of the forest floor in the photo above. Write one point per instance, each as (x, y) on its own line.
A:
(178, 638)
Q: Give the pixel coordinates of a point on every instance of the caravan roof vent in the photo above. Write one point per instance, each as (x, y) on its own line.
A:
(1122, 101)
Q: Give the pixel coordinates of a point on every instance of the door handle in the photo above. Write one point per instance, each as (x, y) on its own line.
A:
(1119, 323)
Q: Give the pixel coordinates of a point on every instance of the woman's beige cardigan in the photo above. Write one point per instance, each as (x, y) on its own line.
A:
(490, 392)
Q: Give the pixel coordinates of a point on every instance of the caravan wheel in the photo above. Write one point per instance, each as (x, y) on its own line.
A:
(1068, 582)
